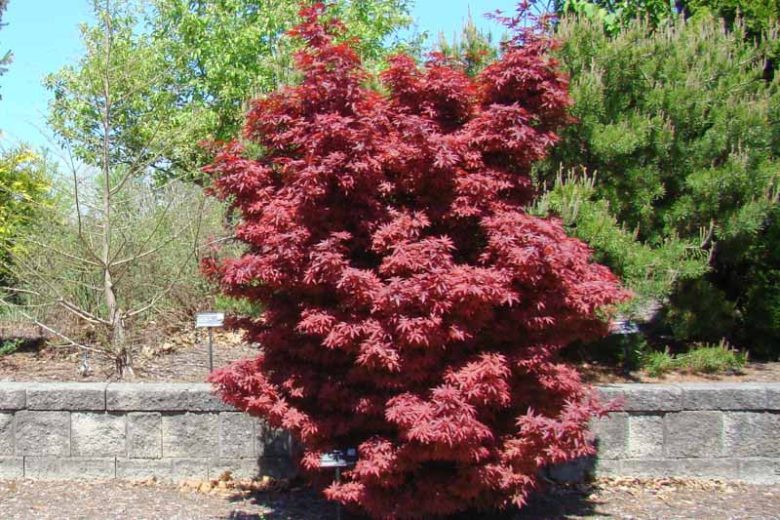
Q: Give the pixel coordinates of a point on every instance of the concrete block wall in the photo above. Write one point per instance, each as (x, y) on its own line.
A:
(131, 431)
(717, 430)
(179, 431)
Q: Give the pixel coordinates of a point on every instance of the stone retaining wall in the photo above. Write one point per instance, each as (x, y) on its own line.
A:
(132, 431)
(177, 431)
(718, 430)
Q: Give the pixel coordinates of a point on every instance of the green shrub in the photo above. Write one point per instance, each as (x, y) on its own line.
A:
(701, 359)
(710, 359)
(650, 272)
(9, 346)
(658, 363)
(680, 126)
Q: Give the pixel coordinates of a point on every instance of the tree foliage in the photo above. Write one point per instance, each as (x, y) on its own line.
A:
(473, 49)
(758, 16)
(191, 68)
(650, 271)
(680, 125)
(5, 59)
(414, 309)
(144, 130)
(25, 184)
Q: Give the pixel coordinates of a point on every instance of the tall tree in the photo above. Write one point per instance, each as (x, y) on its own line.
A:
(219, 55)
(111, 110)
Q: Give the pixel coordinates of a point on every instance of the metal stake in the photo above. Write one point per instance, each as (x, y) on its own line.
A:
(211, 352)
(338, 504)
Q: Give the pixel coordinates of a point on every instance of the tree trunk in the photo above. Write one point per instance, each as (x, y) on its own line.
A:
(123, 360)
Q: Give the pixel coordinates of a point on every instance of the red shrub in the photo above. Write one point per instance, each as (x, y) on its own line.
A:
(413, 309)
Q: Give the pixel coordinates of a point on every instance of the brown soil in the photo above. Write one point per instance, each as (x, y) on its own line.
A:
(184, 358)
(752, 372)
(607, 498)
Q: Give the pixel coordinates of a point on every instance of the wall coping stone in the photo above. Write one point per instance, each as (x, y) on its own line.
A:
(654, 397)
(199, 397)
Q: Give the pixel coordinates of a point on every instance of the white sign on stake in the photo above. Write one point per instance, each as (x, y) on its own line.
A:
(209, 320)
(338, 458)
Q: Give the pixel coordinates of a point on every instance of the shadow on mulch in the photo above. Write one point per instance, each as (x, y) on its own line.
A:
(556, 502)
(560, 503)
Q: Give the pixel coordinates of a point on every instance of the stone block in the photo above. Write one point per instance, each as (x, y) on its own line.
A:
(76, 468)
(163, 397)
(608, 468)
(648, 467)
(190, 435)
(751, 434)
(707, 468)
(760, 470)
(11, 467)
(98, 435)
(612, 394)
(12, 395)
(611, 435)
(694, 434)
(183, 469)
(142, 469)
(236, 435)
(651, 398)
(72, 397)
(42, 433)
(273, 442)
(144, 435)
(6, 434)
(238, 468)
(772, 396)
(724, 396)
(645, 437)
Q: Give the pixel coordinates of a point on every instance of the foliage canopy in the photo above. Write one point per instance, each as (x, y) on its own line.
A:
(414, 309)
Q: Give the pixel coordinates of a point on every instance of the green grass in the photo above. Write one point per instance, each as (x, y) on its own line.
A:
(701, 359)
(9, 346)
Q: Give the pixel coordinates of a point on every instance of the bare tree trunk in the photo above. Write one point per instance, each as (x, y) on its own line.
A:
(116, 336)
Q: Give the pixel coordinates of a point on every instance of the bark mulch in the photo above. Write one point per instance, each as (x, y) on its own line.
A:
(180, 358)
(184, 358)
(628, 499)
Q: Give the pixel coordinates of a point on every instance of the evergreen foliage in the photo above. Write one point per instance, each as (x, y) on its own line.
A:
(473, 49)
(681, 128)
(651, 272)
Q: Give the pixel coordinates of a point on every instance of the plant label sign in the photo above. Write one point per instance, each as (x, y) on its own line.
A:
(209, 320)
(339, 458)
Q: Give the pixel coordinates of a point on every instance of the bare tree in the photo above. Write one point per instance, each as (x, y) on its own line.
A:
(119, 243)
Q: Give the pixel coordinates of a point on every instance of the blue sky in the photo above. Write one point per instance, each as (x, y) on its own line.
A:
(44, 36)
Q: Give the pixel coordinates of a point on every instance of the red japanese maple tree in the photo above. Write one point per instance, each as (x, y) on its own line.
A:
(413, 308)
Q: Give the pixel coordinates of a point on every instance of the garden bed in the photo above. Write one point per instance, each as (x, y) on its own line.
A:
(184, 358)
(753, 372)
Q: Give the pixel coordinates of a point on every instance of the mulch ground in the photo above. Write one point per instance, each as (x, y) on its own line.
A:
(181, 358)
(184, 358)
(629, 499)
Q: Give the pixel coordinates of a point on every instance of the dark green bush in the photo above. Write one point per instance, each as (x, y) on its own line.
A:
(680, 127)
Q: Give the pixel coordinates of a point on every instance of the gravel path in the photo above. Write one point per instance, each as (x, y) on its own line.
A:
(629, 499)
